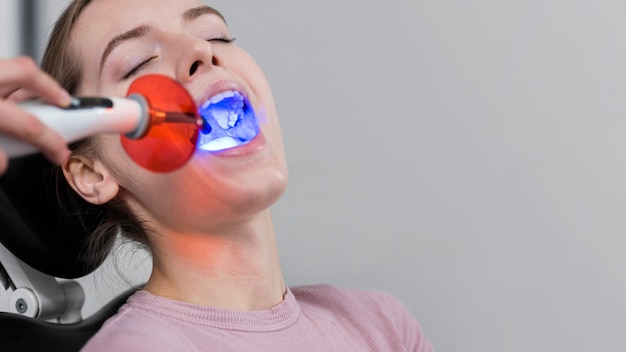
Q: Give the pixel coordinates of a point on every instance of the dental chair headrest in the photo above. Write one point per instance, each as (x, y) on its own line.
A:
(32, 226)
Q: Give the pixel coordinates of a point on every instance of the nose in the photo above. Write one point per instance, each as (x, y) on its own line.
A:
(196, 56)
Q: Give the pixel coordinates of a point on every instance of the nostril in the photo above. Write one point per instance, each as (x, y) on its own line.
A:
(214, 61)
(194, 67)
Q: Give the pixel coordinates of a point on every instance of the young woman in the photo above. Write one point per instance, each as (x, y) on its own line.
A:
(216, 282)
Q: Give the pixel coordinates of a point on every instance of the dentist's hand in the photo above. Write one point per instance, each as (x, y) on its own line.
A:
(21, 79)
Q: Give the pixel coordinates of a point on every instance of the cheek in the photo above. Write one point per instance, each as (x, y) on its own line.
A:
(121, 167)
(114, 90)
(92, 85)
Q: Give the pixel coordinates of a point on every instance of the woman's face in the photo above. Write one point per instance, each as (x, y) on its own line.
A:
(117, 41)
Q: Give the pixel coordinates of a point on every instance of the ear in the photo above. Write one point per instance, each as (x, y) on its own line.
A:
(90, 179)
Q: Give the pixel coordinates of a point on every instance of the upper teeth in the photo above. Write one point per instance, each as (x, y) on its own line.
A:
(237, 104)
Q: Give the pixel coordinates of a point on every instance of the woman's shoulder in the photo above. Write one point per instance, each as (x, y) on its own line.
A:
(350, 301)
(369, 312)
(136, 330)
(335, 295)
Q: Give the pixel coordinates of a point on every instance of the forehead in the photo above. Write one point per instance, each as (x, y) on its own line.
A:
(104, 17)
(102, 20)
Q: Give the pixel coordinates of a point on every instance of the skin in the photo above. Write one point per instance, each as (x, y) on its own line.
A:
(209, 225)
(21, 79)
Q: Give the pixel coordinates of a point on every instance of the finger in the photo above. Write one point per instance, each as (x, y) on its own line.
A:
(20, 124)
(23, 72)
(21, 95)
(6, 91)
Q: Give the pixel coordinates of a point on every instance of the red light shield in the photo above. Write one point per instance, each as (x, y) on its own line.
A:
(167, 145)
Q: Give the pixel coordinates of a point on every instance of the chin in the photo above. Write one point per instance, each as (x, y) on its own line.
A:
(258, 196)
(232, 197)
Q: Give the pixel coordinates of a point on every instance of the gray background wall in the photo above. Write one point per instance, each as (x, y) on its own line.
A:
(465, 156)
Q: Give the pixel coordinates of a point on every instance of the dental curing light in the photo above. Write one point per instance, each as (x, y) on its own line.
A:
(158, 122)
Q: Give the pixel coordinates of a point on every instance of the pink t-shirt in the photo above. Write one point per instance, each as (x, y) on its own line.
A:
(311, 318)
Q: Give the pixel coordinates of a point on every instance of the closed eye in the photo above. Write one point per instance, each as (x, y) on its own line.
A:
(222, 40)
(137, 68)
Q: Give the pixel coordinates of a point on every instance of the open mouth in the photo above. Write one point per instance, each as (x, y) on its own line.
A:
(228, 121)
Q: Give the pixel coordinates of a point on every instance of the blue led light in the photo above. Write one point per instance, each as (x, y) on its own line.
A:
(228, 122)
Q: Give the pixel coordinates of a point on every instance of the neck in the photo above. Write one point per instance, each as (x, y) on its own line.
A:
(236, 267)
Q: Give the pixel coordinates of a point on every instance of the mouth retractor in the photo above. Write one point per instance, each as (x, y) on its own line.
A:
(228, 121)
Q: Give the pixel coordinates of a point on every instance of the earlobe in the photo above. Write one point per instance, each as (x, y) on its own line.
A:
(90, 179)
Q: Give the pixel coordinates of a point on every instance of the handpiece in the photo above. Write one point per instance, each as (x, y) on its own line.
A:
(157, 122)
(84, 117)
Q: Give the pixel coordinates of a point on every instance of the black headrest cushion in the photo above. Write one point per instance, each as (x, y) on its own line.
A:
(33, 227)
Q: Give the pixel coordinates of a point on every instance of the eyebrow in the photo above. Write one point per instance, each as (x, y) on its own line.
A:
(134, 33)
(140, 31)
(196, 12)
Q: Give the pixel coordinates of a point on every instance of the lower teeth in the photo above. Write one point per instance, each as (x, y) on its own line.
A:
(219, 144)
